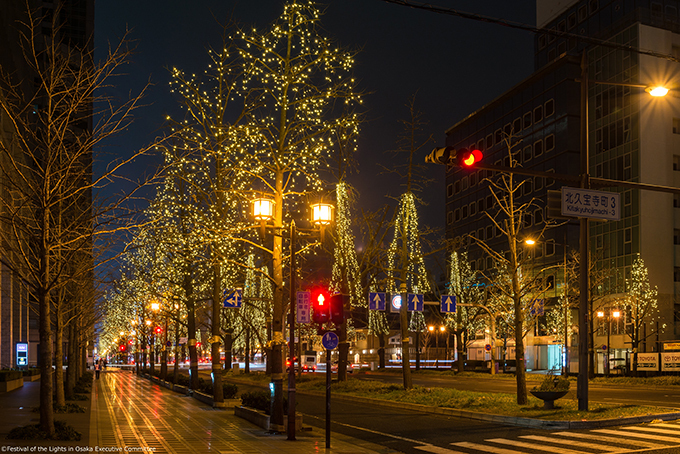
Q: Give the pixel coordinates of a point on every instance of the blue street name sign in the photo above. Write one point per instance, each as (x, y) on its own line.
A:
(330, 340)
(448, 303)
(415, 303)
(232, 298)
(376, 301)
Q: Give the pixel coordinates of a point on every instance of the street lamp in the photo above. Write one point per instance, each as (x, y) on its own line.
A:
(584, 249)
(431, 329)
(322, 215)
(565, 349)
(612, 314)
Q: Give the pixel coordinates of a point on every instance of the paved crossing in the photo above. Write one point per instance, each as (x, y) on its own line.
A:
(639, 438)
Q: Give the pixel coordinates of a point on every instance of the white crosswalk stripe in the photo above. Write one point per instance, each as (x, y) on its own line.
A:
(613, 440)
(657, 429)
(437, 449)
(537, 447)
(578, 444)
(487, 448)
(627, 433)
(607, 441)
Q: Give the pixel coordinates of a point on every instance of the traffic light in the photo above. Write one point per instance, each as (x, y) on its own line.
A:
(461, 157)
(122, 348)
(159, 330)
(468, 158)
(338, 308)
(321, 301)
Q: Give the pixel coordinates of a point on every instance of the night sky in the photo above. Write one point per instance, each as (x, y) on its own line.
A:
(454, 65)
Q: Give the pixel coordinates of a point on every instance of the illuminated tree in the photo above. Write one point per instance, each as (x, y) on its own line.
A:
(406, 265)
(517, 285)
(305, 84)
(641, 307)
(467, 321)
(346, 277)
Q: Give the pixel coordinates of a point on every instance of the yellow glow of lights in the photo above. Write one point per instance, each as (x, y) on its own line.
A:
(600, 314)
(322, 213)
(155, 306)
(616, 314)
(657, 91)
(263, 209)
(530, 242)
(442, 328)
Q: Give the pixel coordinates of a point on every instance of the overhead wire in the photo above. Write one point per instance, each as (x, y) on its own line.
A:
(530, 28)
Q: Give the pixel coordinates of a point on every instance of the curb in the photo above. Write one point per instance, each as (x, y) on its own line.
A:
(534, 423)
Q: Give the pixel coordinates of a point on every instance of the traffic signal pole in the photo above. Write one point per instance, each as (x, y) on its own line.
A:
(584, 278)
(291, 333)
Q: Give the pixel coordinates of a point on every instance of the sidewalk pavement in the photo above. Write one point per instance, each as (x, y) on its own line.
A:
(134, 415)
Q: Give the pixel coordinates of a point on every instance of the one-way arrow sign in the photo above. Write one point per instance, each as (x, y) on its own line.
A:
(415, 302)
(232, 298)
(376, 301)
(448, 303)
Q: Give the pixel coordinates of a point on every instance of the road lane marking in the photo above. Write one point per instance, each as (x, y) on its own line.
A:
(657, 429)
(437, 449)
(587, 436)
(487, 448)
(521, 444)
(424, 446)
(580, 444)
(638, 435)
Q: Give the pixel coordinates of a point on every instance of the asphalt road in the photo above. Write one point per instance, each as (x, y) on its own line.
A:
(406, 431)
(596, 393)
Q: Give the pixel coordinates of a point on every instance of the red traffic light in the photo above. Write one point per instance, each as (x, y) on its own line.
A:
(122, 348)
(321, 301)
(468, 158)
(159, 330)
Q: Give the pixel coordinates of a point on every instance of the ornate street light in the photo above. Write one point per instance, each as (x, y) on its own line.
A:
(321, 216)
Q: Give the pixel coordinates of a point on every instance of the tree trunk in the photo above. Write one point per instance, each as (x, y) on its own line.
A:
(343, 352)
(382, 338)
(59, 358)
(246, 356)
(405, 341)
(218, 390)
(46, 372)
(73, 359)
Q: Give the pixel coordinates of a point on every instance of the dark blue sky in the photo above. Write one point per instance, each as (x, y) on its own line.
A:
(455, 65)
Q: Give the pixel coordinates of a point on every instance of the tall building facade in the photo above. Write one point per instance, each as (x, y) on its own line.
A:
(632, 137)
(74, 20)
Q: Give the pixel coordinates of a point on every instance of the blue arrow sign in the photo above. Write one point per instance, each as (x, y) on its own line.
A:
(376, 301)
(448, 303)
(232, 298)
(537, 307)
(415, 302)
(330, 340)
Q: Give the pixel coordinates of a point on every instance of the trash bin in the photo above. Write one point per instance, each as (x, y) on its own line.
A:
(235, 368)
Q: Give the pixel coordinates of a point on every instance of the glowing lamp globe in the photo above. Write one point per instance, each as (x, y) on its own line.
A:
(657, 91)
(263, 209)
(322, 213)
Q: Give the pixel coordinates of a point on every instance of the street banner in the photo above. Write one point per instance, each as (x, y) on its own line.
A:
(670, 362)
(648, 361)
(302, 314)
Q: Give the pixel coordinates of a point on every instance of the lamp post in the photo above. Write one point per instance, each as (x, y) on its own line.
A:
(565, 349)
(263, 210)
(611, 314)
(442, 329)
(584, 280)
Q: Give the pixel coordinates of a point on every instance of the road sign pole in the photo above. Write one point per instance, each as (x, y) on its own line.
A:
(328, 399)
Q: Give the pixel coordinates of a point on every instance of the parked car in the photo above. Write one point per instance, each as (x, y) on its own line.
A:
(350, 367)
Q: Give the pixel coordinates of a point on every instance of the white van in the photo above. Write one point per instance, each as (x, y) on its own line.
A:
(308, 362)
